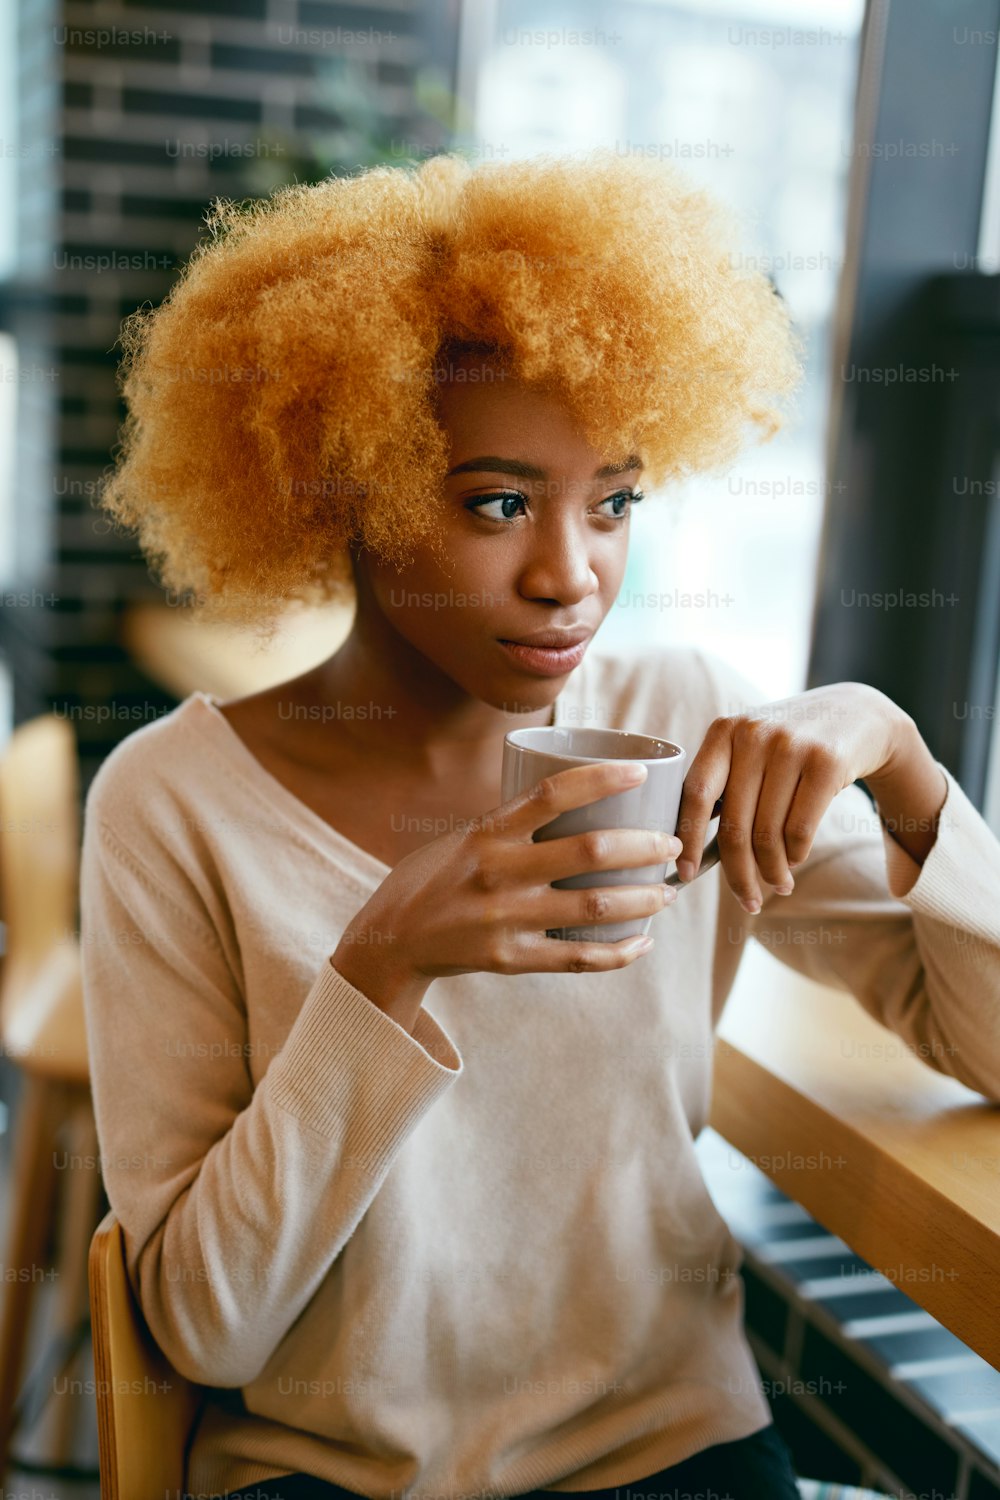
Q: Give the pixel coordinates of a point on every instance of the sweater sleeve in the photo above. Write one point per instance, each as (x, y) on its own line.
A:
(235, 1201)
(917, 945)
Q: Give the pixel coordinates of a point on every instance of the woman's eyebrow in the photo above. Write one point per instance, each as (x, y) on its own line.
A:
(521, 470)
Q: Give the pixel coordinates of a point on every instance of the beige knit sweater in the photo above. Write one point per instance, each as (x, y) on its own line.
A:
(480, 1258)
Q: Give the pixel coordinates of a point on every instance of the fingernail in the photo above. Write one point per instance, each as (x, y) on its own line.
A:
(785, 890)
(644, 944)
(685, 869)
(669, 894)
(751, 906)
(634, 771)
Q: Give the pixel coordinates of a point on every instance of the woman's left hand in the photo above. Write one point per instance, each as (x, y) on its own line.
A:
(777, 768)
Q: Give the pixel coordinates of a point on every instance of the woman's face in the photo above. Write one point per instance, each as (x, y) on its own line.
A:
(525, 554)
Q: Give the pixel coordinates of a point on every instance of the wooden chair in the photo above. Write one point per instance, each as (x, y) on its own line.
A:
(145, 1410)
(42, 1032)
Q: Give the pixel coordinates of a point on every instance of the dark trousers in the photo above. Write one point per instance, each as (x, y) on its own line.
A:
(755, 1468)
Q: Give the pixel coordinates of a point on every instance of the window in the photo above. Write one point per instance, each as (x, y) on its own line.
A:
(755, 101)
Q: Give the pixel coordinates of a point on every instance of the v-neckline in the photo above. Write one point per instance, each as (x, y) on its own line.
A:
(363, 863)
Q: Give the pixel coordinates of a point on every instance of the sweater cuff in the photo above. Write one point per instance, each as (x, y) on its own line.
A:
(902, 870)
(939, 885)
(349, 1069)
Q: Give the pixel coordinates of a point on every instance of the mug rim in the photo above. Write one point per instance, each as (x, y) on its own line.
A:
(676, 751)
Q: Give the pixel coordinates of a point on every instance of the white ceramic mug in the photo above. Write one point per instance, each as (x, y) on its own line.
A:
(531, 754)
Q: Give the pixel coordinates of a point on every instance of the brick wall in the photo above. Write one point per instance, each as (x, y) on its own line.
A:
(134, 116)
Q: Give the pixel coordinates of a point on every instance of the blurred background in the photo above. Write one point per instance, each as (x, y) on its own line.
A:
(865, 195)
(861, 146)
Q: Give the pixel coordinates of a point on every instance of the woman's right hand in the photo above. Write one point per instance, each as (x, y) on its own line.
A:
(481, 898)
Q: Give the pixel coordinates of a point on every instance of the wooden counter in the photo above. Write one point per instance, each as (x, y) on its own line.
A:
(899, 1161)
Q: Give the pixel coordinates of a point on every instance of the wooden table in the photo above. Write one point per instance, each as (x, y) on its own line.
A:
(184, 655)
(899, 1161)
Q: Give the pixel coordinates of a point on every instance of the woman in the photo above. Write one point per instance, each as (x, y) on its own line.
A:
(423, 1221)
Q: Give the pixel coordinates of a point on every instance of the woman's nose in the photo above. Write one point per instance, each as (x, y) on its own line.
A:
(559, 568)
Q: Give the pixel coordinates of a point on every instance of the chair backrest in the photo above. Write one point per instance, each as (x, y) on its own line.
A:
(42, 1022)
(39, 836)
(145, 1410)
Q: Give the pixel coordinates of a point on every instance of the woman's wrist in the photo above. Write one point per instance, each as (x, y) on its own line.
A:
(396, 991)
(909, 793)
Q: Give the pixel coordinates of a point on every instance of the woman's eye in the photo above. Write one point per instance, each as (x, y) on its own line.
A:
(631, 496)
(507, 499)
(620, 504)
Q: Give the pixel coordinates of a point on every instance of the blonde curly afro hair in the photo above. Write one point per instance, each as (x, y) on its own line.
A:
(281, 401)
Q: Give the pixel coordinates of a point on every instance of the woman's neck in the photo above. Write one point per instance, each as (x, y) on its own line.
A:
(398, 703)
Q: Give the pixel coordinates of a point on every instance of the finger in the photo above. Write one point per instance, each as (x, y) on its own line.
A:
(545, 955)
(781, 778)
(739, 810)
(597, 904)
(703, 786)
(819, 783)
(563, 790)
(597, 849)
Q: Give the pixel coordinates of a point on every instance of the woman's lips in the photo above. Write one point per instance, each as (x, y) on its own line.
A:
(546, 661)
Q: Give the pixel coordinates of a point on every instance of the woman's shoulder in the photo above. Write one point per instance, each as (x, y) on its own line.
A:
(152, 766)
(145, 815)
